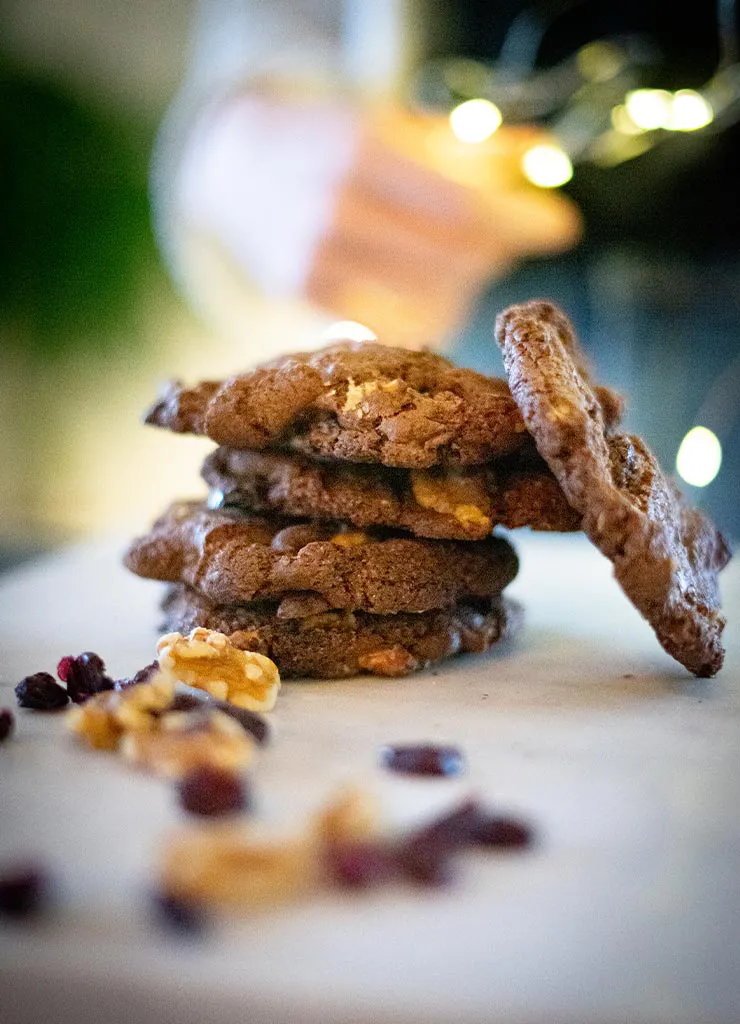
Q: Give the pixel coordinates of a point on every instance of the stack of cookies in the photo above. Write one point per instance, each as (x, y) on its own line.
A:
(355, 492)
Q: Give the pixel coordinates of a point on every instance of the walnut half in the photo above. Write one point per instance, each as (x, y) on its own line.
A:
(209, 661)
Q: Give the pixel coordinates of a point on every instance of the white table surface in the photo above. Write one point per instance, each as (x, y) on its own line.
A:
(627, 911)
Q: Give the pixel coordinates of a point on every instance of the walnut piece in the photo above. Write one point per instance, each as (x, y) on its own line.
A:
(104, 718)
(236, 868)
(462, 495)
(209, 661)
(358, 393)
(350, 539)
(351, 814)
(188, 740)
(228, 868)
(390, 661)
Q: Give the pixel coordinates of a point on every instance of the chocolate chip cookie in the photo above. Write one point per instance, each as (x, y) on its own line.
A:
(336, 644)
(458, 504)
(359, 402)
(666, 555)
(233, 557)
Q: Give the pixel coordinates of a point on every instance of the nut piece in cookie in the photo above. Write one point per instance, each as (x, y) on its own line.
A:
(666, 555)
(449, 503)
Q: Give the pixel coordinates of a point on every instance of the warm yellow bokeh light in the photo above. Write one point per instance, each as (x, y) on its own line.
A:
(475, 120)
(699, 457)
(649, 108)
(599, 61)
(349, 330)
(689, 111)
(547, 166)
(623, 123)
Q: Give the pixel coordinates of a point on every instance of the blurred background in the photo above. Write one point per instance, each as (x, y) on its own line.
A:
(107, 290)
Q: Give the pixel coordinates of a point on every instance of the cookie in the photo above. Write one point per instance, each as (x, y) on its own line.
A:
(338, 644)
(358, 402)
(455, 504)
(666, 555)
(233, 557)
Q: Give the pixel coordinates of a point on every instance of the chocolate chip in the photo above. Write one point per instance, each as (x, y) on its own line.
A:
(422, 759)
(41, 692)
(211, 791)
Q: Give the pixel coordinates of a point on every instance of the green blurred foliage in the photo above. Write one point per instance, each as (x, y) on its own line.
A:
(76, 246)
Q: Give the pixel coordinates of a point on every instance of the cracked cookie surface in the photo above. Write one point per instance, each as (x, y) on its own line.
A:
(358, 402)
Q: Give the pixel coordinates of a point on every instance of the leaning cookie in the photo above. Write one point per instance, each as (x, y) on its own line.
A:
(233, 557)
(666, 555)
(338, 644)
(455, 504)
(358, 402)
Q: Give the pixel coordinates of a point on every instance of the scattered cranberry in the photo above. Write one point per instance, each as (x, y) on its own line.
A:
(211, 791)
(503, 833)
(250, 721)
(41, 692)
(426, 863)
(186, 702)
(7, 723)
(422, 759)
(22, 891)
(177, 914)
(84, 675)
(360, 865)
(453, 830)
(144, 675)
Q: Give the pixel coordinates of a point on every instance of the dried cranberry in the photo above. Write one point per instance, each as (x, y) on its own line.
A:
(178, 914)
(22, 891)
(453, 830)
(360, 865)
(84, 675)
(422, 759)
(426, 855)
(41, 692)
(250, 721)
(211, 791)
(503, 833)
(424, 862)
(7, 723)
(186, 702)
(144, 675)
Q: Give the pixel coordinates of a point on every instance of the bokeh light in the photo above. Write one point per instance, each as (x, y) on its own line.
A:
(475, 120)
(547, 165)
(699, 457)
(649, 108)
(348, 330)
(689, 111)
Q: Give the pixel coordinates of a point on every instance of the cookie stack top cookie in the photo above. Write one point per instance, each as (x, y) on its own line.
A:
(416, 458)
